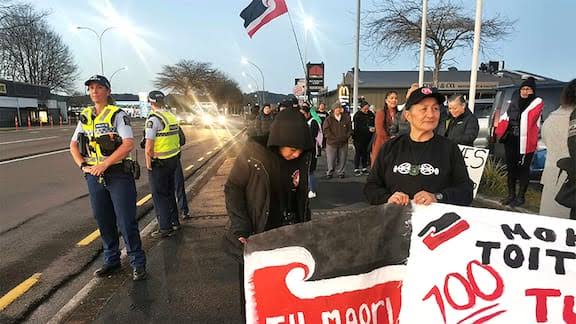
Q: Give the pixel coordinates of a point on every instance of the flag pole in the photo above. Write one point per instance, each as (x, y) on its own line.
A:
(296, 40)
(423, 42)
(474, 67)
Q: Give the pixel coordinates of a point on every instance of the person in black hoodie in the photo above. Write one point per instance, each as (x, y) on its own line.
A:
(420, 166)
(362, 137)
(463, 125)
(268, 184)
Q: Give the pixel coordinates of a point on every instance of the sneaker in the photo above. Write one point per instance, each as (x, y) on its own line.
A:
(176, 227)
(365, 171)
(311, 194)
(357, 172)
(186, 216)
(138, 274)
(341, 176)
(107, 270)
(162, 233)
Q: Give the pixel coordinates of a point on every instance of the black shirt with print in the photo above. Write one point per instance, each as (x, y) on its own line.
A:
(436, 166)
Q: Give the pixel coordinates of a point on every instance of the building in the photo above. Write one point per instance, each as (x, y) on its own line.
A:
(373, 85)
(23, 102)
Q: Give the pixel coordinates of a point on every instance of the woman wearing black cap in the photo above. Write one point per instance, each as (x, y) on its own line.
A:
(101, 147)
(518, 129)
(268, 184)
(420, 166)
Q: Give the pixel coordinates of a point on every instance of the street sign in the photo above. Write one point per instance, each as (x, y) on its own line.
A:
(299, 89)
(315, 77)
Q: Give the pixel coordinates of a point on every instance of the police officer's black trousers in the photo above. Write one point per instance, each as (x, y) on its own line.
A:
(180, 189)
(113, 200)
(161, 180)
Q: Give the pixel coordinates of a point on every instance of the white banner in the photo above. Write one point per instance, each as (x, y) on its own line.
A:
(475, 159)
(473, 265)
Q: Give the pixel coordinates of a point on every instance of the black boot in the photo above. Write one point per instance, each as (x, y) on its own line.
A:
(511, 193)
(521, 198)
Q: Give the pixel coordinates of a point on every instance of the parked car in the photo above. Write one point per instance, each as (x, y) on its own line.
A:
(483, 111)
(550, 93)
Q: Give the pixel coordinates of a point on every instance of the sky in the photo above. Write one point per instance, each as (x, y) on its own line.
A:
(152, 33)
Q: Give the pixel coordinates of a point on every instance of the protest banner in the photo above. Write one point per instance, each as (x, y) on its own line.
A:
(465, 265)
(475, 159)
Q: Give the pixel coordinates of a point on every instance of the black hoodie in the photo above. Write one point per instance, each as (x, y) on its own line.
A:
(264, 190)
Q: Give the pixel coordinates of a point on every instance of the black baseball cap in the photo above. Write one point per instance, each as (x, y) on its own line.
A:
(100, 79)
(422, 93)
(156, 96)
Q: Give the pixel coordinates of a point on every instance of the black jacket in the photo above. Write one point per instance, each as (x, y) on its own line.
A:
(362, 124)
(248, 191)
(463, 129)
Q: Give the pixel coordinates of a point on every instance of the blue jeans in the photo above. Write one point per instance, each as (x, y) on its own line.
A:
(161, 180)
(113, 202)
(180, 189)
(312, 183)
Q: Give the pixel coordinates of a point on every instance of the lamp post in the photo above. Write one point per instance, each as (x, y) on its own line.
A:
(245, 61)
(99, 42)
(124, 68)
(246, 75)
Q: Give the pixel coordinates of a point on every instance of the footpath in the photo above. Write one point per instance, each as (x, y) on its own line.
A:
(191, 280)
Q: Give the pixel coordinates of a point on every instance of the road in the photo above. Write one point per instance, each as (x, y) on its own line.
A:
(45, 208)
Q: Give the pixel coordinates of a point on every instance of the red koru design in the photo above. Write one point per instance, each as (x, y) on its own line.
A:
(273, 298)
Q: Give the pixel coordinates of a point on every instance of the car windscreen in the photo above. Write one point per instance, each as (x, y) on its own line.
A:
(482, 110)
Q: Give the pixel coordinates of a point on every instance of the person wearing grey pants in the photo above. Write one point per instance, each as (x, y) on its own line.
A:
(337, 129)
(336, 159)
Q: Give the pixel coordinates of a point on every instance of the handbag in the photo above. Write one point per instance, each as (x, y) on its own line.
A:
(566, 196)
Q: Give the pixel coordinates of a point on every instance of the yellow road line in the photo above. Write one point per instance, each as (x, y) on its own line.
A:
(143, 200)
(200, 159)
(209, 152)
(89, 239)
(18, 291)
(189, 167)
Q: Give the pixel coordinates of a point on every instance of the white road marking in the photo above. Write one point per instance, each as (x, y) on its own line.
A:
(200, 159)
(34, 132)
(209, 152)
(29, 140)
(189, 167)
(34, 156)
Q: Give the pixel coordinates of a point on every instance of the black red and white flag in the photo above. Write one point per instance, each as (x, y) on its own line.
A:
(429, 264)
(261, 12)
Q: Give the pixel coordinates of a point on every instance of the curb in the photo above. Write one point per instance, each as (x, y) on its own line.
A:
(493, 204)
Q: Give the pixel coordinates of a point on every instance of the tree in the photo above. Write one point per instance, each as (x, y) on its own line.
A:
(394, 26)
(8, 9)
(199, 81)
(31, 52)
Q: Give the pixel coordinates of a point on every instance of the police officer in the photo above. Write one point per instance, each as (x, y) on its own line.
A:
(162, 155)
(101, 146)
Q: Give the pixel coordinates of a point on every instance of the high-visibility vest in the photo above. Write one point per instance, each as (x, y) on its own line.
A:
(98, 126)
(167, 141)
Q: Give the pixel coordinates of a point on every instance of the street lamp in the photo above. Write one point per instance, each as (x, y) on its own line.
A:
(245, 61)
(308, 26)
(124, 68)
(99, 42)
(247, 75)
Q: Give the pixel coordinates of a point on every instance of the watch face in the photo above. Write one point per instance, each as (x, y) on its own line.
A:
(439, 196)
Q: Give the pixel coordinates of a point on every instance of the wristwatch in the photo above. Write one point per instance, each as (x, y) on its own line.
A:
(83, 164)
(439, 196)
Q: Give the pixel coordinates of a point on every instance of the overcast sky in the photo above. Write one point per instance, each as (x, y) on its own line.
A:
(166, 31)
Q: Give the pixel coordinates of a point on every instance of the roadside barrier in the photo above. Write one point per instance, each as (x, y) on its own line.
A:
(16, 122)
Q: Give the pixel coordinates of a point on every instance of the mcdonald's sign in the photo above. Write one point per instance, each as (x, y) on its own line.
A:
(343, 93)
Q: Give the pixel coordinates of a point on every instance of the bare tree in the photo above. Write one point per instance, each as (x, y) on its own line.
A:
(9, 9)
(199, 81)
(31, 52)
(394, 26)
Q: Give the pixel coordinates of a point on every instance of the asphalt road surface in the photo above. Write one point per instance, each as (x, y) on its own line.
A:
(45, 210)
